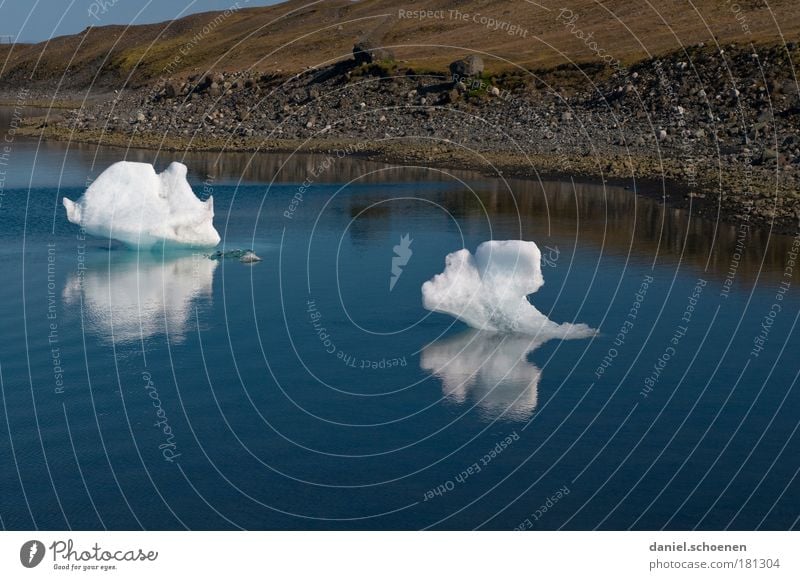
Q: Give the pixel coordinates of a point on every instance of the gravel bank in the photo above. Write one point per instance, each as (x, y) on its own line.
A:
(717, 129)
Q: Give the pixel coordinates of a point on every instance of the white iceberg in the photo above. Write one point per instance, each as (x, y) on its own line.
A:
(489, 290)
(132, 203)
(488, 369)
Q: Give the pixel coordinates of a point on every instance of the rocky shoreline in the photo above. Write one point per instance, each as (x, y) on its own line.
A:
(716, 130)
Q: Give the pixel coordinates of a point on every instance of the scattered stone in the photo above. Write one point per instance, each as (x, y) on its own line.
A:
(769, 156)
(171, 90)
(244, 256)
(249, 257)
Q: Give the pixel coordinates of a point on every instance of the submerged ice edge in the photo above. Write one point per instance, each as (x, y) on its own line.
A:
(488, 291)
(132, 203)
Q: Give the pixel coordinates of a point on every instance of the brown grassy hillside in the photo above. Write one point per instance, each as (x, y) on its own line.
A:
(297, 34)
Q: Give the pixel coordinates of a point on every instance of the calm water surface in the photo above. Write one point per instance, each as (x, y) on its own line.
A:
(168, 391)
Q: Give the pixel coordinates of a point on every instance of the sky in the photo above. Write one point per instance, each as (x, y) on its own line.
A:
(37, 20)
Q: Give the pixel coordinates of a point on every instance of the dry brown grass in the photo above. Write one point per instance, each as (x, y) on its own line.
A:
(295, 35)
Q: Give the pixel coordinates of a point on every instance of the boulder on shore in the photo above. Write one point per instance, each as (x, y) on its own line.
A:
(365, 51)
(471, 66)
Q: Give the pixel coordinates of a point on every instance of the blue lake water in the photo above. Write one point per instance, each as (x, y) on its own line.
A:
(164, 390)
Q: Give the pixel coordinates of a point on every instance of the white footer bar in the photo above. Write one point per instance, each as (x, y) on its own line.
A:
(401, 555)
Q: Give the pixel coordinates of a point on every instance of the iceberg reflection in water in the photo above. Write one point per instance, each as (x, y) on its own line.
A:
(489, 369)
(134, 296)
